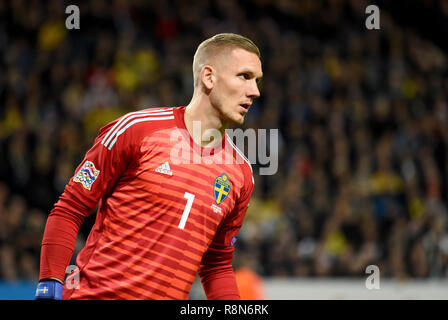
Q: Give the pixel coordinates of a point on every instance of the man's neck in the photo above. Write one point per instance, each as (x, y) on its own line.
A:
(201, 115)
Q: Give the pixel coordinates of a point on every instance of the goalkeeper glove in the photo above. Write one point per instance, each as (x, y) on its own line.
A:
(49, 289)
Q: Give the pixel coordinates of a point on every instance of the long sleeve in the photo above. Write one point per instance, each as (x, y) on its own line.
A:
(216, 271)
(94, 178)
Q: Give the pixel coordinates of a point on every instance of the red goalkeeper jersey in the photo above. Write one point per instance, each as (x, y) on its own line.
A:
(167, 209)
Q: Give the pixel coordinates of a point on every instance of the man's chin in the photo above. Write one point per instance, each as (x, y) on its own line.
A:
(238, 121)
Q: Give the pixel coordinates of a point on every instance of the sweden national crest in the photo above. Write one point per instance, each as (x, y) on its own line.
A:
(221, 188)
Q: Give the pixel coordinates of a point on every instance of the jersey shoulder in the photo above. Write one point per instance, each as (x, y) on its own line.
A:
(137, 124)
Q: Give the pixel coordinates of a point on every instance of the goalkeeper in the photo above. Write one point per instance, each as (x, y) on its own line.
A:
(160, 221)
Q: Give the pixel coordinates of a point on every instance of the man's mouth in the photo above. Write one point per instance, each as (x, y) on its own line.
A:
(245, 106)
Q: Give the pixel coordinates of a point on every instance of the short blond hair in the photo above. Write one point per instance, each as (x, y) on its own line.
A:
(220, 41)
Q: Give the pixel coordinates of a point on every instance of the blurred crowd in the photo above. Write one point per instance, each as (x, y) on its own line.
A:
(362, 116)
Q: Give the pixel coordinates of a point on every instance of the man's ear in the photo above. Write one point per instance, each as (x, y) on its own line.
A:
(208, 76)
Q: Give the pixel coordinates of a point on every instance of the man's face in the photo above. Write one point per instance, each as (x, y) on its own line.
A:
(235, 87)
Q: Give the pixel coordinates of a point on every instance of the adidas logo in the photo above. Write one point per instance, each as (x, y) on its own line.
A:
(165, 169)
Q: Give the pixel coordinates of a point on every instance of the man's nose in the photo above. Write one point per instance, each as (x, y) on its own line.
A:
(253, 91)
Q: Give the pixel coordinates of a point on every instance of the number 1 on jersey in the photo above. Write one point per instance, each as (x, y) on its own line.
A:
(183, 219)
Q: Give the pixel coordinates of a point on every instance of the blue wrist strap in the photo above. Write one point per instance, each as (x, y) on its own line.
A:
(49, 289)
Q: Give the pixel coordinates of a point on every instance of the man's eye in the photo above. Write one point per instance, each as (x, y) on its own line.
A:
(244, 76)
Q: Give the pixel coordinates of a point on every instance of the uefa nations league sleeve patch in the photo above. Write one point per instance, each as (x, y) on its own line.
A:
(87, 175)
